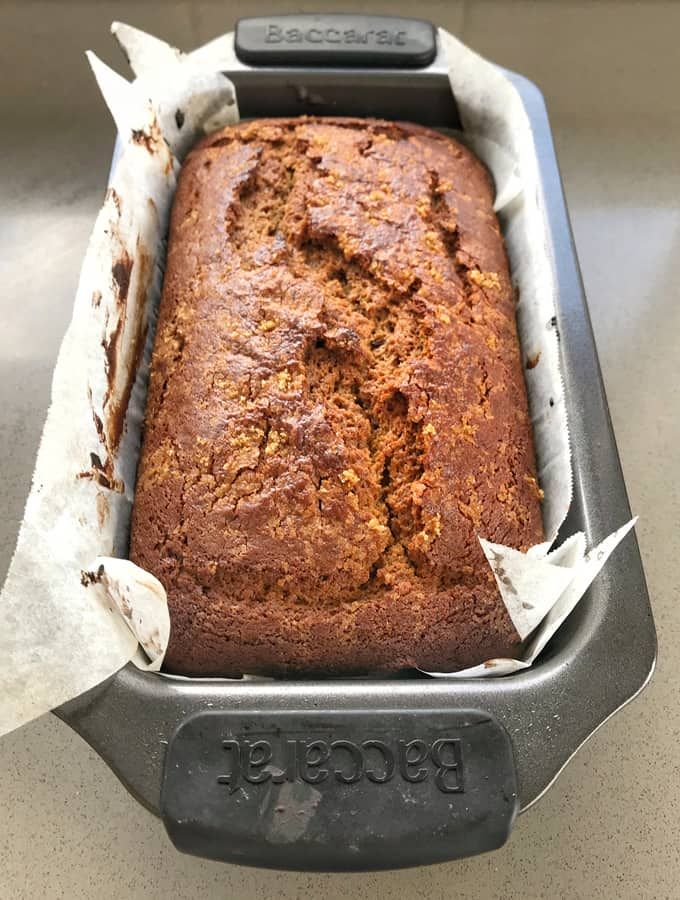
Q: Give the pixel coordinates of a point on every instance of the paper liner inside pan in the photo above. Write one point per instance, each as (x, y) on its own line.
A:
(72, 610)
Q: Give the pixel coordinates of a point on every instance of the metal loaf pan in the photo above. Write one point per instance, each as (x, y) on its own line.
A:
(379, 773)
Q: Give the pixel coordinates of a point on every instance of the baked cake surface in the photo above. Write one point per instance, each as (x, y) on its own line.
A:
(337, 407)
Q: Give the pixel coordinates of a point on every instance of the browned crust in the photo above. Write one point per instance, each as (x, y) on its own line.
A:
(337, 406)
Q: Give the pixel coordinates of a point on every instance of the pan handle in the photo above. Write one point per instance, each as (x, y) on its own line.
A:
(343, 790)
(335, 40)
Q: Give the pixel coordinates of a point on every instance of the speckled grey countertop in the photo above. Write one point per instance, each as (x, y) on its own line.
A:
(609, 71)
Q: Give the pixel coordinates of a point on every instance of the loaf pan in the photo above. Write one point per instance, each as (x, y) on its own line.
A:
(371, 773)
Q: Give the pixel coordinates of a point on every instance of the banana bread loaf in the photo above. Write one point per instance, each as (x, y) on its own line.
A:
(336, 408)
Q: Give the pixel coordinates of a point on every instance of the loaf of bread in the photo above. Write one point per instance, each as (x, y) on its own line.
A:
(337, 408)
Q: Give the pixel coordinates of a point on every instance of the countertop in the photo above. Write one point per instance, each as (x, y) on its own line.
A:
(609, 72)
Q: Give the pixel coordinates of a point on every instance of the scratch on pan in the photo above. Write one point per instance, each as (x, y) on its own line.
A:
(294, 811)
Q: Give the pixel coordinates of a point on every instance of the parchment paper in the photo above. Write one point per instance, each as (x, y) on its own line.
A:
(72, 611)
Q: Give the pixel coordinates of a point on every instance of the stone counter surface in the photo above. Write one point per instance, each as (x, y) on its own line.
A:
(609, 71)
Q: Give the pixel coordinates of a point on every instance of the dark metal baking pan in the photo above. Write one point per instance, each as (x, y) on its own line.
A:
(379, 773)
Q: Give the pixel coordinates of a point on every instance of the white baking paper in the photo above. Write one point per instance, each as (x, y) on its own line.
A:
(72, 611)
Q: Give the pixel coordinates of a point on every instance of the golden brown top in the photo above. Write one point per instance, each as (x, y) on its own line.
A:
(337, 408)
